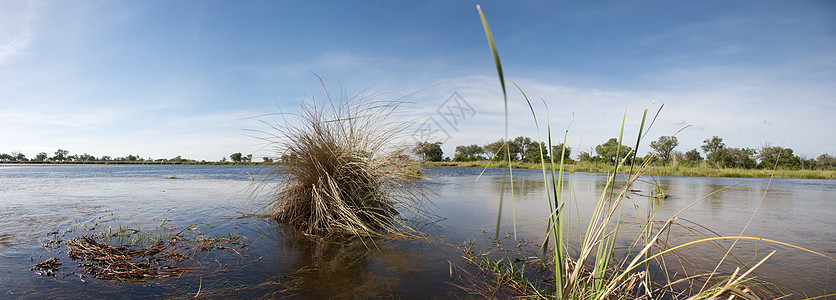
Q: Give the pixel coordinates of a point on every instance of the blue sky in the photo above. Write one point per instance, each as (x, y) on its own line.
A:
(166, 78)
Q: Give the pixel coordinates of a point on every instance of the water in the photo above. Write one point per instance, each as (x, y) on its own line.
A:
(36, 200)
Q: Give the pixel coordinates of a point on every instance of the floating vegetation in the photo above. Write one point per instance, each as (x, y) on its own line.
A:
(122, 263)
(47, 267)
(125, 254)
(346, 173)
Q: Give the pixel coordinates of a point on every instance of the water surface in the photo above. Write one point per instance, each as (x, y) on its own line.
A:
(37, 200)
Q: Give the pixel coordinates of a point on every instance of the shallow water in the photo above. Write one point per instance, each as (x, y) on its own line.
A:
(36, 200)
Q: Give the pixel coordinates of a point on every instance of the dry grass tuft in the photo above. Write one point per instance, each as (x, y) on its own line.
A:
(346, 174)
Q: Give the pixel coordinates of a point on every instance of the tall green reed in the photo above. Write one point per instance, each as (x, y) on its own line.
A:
(603, 280)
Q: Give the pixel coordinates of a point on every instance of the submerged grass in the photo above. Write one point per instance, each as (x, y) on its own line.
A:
(596, 270)
(129, 254)
(346, 173)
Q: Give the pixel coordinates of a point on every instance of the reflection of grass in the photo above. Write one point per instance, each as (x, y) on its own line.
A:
(674, 170)
(597, 270)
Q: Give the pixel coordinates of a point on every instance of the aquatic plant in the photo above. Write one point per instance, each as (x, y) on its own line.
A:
(346, 173)
(129, 254)
(595, 271)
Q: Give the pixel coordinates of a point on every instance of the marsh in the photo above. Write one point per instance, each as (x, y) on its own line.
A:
(37, 200)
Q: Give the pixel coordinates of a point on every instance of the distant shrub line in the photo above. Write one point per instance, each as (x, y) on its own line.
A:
(717, 154)
(703, 169)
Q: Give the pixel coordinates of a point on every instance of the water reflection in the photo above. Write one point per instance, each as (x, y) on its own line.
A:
(35, 201)
(301, 266)
(792, 211)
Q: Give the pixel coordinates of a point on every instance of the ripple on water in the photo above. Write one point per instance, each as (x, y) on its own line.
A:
(37, 201)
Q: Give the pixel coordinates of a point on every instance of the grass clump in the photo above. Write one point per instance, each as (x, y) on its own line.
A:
(346, 173)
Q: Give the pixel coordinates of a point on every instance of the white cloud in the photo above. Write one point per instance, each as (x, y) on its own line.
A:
(15, 29)
(733, 103)
(57, 103)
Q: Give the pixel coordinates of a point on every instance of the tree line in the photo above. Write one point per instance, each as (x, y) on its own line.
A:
(62, 156)
(663, 150)
(238, 157)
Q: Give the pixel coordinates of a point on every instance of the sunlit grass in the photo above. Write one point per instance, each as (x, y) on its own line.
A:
(346, 175)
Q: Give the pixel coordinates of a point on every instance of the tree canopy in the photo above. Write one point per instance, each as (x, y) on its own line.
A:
(693, 156)
(611, 151)
(664, 147)
(429, 151)
(560, 148)
(713, 149)
(469, 153)
(772, 155)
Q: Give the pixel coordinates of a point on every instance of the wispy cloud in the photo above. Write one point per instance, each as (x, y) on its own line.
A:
(104, 76)
(15, 29)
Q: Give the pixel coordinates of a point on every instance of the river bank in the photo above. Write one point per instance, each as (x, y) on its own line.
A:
(589, 167)
(669, 170)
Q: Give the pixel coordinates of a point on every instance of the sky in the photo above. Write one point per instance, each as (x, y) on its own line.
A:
(198, 79)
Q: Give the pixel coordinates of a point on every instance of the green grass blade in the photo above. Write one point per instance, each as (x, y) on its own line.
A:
(495, 55)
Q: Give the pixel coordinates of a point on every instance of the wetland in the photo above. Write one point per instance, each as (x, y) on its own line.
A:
(39, 204)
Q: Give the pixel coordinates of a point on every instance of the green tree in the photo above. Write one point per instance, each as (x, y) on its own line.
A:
(499, 150)
(826, 161)
(60, 155)
(714, 149)
(236, 157)
(610, 149)
(492, 150)
(429, 151)
(713, 144)
(739, 158)
(6, 157)
(41, 157)
(693, 156)
(769, 155)
(248, 158)
(560, 148)
(664, 147)
(17, 156)
(469, 153)
(536, 151)
(520, 146)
